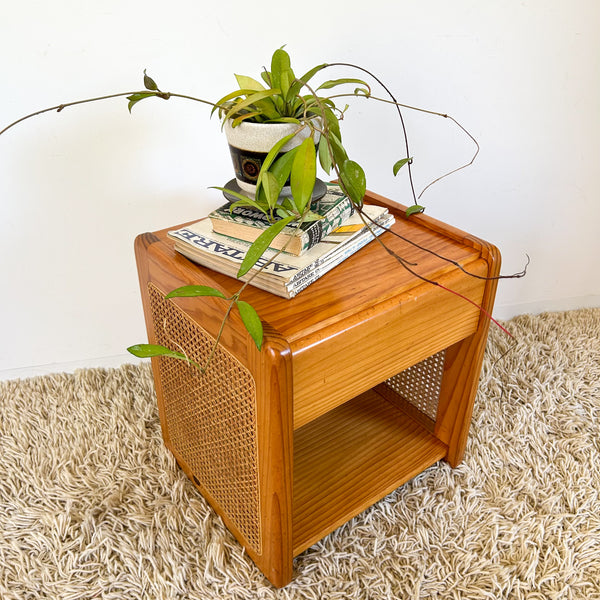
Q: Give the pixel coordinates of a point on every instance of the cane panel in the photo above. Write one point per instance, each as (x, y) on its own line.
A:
(420, 384)
(211, 418)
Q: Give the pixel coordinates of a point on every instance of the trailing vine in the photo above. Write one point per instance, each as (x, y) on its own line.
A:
(283, 99)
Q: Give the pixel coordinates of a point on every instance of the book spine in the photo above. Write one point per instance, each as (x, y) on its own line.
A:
(274, 285)
(345, 249)
(307, 276)
(242, 220)
(319, 229)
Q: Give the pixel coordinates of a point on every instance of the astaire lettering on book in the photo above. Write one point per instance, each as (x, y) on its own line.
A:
(234, 253)
(291, 273)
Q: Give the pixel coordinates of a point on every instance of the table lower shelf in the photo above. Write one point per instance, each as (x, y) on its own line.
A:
(350, 458)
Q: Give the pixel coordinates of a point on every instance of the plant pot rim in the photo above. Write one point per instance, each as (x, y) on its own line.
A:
(261, 137)
(248, 124)
(283, 125)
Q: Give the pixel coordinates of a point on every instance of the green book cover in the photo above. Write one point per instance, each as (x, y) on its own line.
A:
(247, 224)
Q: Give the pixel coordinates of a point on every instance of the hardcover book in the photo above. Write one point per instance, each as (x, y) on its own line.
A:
(247, 224)
(284, 274)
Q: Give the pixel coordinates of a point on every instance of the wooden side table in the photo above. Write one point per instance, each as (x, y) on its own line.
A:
(365, 379)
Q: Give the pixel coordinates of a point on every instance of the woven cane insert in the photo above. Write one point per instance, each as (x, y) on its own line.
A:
(211, 418)
(420, 384)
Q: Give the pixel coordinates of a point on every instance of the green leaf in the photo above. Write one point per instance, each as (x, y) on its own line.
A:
(304, 174)
(310, 216)
(281, 71)
(286, 208)
(192, 291)
(150, 350)
(283, 212)
(256, 204)
(249, 83)
(362, 92)
(313, 102)
(279, 105)
(149, 83)
(271, 188)
(333, 123)
(339, 153)
(276, 148)
(415, 209)
(261, 243)
(255, 99)
(282, 167)
(250, 115)
(271, 156)
(297, 86)
(251, 321)
(400, 164)
(287, 78)
(354, 181)
(324, 155)
(135, 98)
(225, 100)
(335, 82)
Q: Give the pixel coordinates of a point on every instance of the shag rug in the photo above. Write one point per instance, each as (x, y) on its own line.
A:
(93, 506)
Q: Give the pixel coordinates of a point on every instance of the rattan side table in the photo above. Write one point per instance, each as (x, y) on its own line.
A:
(365, 379)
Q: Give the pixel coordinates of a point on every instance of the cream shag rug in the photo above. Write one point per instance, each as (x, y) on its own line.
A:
(93, 506)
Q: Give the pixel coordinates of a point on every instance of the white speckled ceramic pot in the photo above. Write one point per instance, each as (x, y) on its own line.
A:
(249, 144)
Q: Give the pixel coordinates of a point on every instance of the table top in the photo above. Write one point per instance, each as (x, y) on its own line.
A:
(366, 279)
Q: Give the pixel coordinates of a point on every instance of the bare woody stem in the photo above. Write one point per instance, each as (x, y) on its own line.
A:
(398, 106)
(342, 64)
(60, 107)
(409, 267)
(455, 263)
(437, 114)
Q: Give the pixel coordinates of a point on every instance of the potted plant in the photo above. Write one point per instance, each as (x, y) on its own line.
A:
(296, 124)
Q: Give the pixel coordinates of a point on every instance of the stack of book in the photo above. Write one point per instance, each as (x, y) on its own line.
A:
(221, 241)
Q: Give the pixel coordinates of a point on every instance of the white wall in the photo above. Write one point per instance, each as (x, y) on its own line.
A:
(76, 187)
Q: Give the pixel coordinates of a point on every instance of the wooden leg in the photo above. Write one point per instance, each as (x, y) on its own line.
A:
(275, 448)
(461, 377)
(457, 395)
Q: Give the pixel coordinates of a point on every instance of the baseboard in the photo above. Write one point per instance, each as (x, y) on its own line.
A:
(107, 362)
(508, 311)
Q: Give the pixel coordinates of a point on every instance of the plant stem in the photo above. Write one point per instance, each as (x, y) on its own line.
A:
(406, 264)
(399, 105)
(342, 64)
(237, 295)
(232, 301)
(174, 95)
(517, 275)
(60, 107)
